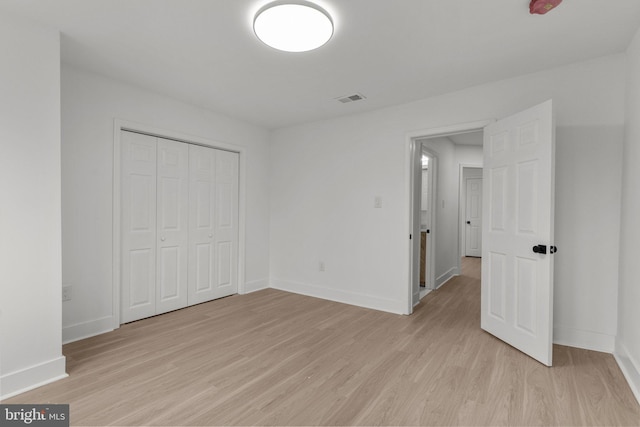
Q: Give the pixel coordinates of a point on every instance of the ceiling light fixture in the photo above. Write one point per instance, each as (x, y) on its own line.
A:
(293, 26)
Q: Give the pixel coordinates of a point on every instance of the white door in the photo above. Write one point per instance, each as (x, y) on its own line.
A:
(172, 225)
(138, 226)
(202, 254)
(225, 234)
(473, 207)
(213, 224)
(517, 283)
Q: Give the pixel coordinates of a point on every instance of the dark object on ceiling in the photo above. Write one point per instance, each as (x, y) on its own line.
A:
(540, 7)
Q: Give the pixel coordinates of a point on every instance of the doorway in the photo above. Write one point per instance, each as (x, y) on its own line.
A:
(427, 202)
(517, 269)
(450, 148)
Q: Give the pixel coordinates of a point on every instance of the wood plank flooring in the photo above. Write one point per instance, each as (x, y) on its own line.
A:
(274, 358)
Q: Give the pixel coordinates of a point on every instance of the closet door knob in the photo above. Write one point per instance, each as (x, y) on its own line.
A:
(210, 235)
(162, 238)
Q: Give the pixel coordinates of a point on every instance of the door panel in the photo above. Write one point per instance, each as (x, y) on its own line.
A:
(226, 231)
(225, 268)
(202, 251)
(473, 207)
(517, 284)
(172, 231)
(170, 274)
(138, 226)
(497, 269)
(140, 274)
(213, 230)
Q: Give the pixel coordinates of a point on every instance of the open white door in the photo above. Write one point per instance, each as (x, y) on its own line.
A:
(473, 215)
(518, 186)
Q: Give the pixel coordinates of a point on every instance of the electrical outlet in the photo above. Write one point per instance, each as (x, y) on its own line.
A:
(321, 266)
(66, 293)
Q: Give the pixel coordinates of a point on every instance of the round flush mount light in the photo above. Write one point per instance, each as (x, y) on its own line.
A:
(293, 26)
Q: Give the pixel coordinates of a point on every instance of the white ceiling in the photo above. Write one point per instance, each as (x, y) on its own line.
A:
(204, 51)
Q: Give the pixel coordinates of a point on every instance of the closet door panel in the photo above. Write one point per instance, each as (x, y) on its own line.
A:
(138, 225)
(172, 225)
(202, 253)
(226, 223)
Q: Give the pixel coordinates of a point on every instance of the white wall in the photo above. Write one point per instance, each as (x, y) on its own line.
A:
(30, 265)
(325, 175)
(90, 103)
(469, 154)
(628, 339)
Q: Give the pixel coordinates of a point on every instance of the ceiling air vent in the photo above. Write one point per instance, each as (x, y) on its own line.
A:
(351, 98)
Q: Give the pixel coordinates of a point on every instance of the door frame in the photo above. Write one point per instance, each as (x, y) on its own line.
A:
(462, 203)
(412, 150)
(118, 127)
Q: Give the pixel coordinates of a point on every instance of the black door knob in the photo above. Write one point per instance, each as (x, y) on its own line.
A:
(469, 222)
(540, 249)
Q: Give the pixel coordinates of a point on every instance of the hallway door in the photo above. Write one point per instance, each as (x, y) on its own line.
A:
(473, 217)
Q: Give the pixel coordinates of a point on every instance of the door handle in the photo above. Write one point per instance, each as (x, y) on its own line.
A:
(540, 249)
(469, 222)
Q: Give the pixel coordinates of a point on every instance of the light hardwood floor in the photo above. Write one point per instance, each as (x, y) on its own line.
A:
(274, 358)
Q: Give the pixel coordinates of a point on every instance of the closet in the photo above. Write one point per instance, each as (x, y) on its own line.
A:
(179, 222)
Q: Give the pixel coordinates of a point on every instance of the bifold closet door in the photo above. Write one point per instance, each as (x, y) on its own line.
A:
(179, 225)
(172, 225)
(213, 223)
(155, 197)
(139, 160)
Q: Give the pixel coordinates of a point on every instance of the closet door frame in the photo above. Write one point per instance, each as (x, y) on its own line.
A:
(124, 125)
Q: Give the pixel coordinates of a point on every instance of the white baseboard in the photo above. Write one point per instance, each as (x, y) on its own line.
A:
(255, 285)
(32, 377)
(360, 300)
(583, 339)
(444, 278)
(83, 330)
(630, 368)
